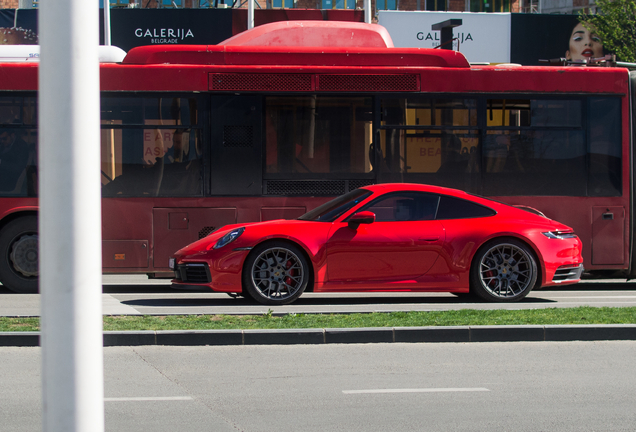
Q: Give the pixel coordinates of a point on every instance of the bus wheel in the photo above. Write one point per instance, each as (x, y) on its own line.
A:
(503, 270)
(19, 255)
(275, 273)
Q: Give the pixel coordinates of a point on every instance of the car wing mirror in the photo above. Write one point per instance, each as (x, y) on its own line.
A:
(363, 217)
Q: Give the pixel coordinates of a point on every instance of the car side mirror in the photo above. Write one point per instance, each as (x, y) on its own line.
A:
(363, 217)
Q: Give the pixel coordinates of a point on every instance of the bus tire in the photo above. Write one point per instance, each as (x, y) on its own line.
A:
(19, 255)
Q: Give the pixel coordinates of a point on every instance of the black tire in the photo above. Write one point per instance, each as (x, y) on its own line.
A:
(19, 255)
(503, 270)
(275, 273)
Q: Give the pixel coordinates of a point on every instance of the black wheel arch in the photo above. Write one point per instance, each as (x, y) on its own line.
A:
(16, 215)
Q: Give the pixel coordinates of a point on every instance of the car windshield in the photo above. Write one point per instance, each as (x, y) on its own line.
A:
(330, 211)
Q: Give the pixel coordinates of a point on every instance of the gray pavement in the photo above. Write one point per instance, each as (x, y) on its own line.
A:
(539, 386)
(137, 295)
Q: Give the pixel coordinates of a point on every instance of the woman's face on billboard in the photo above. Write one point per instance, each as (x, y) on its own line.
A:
(584, 44)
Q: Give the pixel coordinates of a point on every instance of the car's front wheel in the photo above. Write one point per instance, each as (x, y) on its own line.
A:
(503, 270)
(275, 273)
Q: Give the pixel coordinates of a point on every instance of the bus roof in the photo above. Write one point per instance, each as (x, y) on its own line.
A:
(294, 56)
(307, 43)
(238, 65)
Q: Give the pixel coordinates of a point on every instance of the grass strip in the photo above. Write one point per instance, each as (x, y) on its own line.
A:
(464, 317)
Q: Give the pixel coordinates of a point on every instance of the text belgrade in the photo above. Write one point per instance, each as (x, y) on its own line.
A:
(167, 35)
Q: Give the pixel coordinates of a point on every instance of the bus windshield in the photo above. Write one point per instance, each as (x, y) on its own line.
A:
(330, 211)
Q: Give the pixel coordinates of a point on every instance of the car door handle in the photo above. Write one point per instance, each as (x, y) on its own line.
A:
(429, 239)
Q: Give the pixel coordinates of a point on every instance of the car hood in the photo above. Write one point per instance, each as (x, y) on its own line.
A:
(278, 225)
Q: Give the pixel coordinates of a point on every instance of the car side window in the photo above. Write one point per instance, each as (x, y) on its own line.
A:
(457, 208)
(404, 206)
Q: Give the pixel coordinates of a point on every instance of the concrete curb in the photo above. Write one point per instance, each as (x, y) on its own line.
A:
(522, 333)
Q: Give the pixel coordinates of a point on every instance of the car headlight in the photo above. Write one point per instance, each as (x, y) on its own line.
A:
(559, 235)
(229, 237)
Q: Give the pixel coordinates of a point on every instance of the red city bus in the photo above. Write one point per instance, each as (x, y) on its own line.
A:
(277, 120)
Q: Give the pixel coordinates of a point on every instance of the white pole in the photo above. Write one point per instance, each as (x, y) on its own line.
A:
(250, 14)
(70, 217)
(367, 11)
(107, 22)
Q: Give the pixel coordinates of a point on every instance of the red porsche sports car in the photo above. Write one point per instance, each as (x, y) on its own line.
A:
(387, 237)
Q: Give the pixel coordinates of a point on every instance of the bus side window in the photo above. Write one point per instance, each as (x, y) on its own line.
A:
(534, 147)
(151, 146)
(16, 156)
(18, 139)
(604, 131)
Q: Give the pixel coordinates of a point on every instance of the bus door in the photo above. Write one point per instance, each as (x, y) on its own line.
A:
(235, 145)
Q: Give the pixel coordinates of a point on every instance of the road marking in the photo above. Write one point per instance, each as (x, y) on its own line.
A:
(422, 390)
(144, 399)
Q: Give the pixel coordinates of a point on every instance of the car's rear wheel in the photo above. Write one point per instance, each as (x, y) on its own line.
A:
(275, 273)
(503, 270)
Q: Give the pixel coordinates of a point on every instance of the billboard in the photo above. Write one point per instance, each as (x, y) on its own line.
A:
(482, 37)
(135, 27)
(535, 37)
(497, 37)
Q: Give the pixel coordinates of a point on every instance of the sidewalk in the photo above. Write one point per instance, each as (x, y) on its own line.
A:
(522, 333)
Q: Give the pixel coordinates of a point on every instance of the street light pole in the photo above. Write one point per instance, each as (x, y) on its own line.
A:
(107, 23)
(70, 217)
(250, 14)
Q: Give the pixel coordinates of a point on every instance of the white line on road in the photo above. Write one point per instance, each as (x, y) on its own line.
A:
(422, 390)
(144, 399)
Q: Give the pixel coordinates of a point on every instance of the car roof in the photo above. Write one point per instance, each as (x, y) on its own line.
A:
(397, 187)
(495, 205)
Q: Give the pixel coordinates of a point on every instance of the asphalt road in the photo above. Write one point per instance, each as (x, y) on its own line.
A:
(528, 386)
(137, 295)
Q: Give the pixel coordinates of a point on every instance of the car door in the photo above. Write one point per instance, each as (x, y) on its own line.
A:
(401, 245)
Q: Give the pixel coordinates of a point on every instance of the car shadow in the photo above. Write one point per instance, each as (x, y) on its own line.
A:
(137, 289)
(183, 301)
